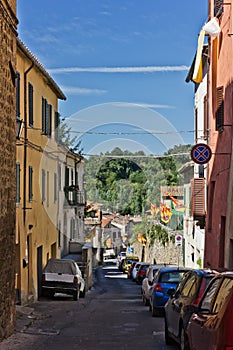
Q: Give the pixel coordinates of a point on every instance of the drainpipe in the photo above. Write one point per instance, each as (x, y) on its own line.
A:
(25, 143)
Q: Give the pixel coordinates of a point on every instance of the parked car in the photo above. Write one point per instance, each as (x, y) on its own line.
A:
(210, 327)
(147, 283)
(109, 259)
(130, 270)
(183, 302)
(164, 279)
(128, 261)
(141, 272)
(62, 276)
(135, 270)
(120, 257)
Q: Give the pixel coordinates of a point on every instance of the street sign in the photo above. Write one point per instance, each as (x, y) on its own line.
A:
(178, 241)
(201, 153)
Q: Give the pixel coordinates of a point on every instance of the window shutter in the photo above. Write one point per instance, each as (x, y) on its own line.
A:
(43, 116)
(220, 109)
(30, 103)
(17, 183)
(49, 120)
(17, 82)
(43, 185)
(198, 198)
(30, 194)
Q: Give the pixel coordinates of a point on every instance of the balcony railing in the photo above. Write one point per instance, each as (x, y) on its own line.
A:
(73, 197)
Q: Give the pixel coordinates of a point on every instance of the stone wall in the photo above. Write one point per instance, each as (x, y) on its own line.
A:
(8, 24)
(159, 254)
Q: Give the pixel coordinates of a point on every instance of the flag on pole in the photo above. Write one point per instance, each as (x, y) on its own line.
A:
(141, 239)
(154, 210)
(197, 74)
(178, 206)
(166, 213)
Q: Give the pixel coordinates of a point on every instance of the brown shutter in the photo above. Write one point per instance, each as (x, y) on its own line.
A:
(220, 109)
(198, 198)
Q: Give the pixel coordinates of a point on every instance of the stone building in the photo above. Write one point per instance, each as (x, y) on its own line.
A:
(8, 33)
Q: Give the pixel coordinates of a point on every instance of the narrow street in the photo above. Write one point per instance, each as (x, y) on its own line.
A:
(111, 316)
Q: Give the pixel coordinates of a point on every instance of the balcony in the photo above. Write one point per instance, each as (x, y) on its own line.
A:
(73, 197)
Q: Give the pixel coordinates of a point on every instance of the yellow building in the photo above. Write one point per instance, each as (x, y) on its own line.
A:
(37, 164)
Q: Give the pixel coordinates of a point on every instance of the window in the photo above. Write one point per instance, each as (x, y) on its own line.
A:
(208, 299)
(191, 286)
(30, 104)
(67, 174)
(56, 125)
(17, 183)
(219, 115)
(43, 186)
(30, 194)
(222, 295)
(17, 85)
(218, 8)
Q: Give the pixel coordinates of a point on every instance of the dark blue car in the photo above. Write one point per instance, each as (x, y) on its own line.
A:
(165, 279)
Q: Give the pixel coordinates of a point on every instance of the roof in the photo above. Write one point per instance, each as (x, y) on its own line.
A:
(39, 65)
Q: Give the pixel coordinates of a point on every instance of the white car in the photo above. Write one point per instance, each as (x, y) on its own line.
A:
(62, 276)
(147, 283)
(135, 270)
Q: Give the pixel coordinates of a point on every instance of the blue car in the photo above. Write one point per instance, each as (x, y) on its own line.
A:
(164, 279)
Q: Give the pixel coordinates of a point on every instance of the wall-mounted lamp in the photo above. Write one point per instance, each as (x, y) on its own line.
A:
(19, 128)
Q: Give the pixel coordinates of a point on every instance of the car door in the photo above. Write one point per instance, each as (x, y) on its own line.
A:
(201, 326)
(178, 300)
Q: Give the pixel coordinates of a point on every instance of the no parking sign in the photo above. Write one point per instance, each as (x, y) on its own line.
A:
(178, 241)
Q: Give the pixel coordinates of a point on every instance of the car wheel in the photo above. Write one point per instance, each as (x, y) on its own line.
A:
(184, 344)
(76, 295)
(168, 339)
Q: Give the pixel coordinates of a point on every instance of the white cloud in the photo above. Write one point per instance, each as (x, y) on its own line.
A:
(146, 69)
(82, 91)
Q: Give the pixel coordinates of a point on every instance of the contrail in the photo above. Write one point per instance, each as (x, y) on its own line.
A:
(146, 69)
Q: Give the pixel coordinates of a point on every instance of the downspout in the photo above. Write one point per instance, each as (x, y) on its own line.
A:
(25, 142)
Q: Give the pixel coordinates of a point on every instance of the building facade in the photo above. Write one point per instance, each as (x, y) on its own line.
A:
(8, 33)
(219, 233)
(37, 159)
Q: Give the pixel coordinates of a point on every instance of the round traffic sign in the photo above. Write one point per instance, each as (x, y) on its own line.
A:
(201, 153)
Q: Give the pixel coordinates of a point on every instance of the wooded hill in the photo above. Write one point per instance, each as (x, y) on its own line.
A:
(128, 183)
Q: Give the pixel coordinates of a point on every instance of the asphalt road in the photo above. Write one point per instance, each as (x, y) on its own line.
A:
(110, 317)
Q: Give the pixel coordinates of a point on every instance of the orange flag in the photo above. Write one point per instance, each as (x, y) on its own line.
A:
(178, 206)
(166, 213)
(154, 210)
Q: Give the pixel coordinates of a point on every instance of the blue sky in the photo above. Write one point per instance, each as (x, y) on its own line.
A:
(122, 65)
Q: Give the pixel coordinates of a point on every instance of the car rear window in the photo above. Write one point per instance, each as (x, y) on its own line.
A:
(171, 277)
